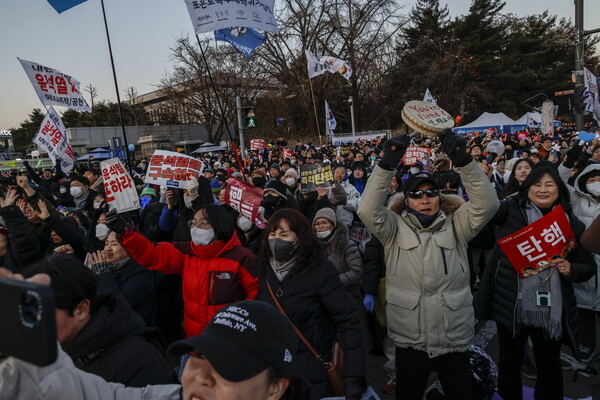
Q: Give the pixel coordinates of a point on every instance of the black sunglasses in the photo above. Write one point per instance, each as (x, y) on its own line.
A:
(419, 193)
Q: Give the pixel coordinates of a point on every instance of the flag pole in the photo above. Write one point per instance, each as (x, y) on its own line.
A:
(112, 63)
(312, 94)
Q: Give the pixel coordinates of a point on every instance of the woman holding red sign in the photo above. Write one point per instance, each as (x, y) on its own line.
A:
(541, 306)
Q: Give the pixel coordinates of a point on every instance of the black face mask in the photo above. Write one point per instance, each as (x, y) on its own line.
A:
(259, 181)
(271, 200)
(281, 249)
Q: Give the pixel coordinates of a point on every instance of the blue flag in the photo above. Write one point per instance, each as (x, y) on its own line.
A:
(63, 5)
(244, 40)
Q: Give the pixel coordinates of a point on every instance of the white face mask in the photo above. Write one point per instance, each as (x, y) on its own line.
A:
(97, 204)
(63, 190)
(593, 188)
(102, 231)
(323, 235)
(290, 181)
(202, 237)
(244, 223)
(75, 191)
(414, 170)
(188, 201)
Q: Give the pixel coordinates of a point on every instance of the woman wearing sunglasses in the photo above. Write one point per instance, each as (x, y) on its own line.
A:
(425, 235)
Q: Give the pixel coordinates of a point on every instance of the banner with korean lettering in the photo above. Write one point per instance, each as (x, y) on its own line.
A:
(55, 88)
(315, 175)
(175, 170)
(119, 188)
(52, 138)
(533, 248)
(414, 154)
(257, 144)
(245, 199)
(213, 15)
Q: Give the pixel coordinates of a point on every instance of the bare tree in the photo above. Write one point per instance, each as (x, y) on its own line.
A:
(92, 92)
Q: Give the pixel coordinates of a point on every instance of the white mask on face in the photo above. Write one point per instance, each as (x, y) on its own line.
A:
(244, 223)
(63, 190)
(75, 191)
(414, 170)
(188, 201)
(97, 204)
(102, 231)
(323, 235)
(290, 181)
(593, 188)
(202, 237)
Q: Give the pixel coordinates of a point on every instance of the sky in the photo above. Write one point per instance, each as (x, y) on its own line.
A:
(142, 32)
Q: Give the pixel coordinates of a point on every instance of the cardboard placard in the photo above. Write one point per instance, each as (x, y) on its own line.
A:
(245, 199)
(414, 154)
(315, 175)
(532, 249)
(174, 170)
(118, 186)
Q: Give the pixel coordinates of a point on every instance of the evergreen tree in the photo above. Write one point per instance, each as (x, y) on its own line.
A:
(24, 134)
(429, 21)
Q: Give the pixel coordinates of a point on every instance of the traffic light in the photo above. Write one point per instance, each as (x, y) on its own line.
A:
(249, 117)
(579, 98)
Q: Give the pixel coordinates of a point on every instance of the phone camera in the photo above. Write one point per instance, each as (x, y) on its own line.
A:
(30, 309)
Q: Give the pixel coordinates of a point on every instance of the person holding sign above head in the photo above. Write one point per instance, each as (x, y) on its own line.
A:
(542, 305)
(425, 236)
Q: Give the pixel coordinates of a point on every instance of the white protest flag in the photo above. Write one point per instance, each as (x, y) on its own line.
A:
(318, 66)
(55, 88)
(52, 138)
(428, 98)
(591, 89)
(330, 122)
(213, 15)
(119, 188)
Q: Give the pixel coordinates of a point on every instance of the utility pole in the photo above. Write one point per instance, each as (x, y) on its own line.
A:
(579, 50)
(238, 104)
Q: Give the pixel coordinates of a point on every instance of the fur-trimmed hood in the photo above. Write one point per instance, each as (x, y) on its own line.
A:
(449, 203)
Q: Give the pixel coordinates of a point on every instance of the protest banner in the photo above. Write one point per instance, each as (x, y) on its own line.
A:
(245, 199)
(319, 65)
(119, 188)
(244, 40)
(414, 154)
(339, 139)
(211, 15)
(315, 175)
(175, 170)
(52, 138)
(533, 248)
(287, 153)
(257, 144)
(55, 88)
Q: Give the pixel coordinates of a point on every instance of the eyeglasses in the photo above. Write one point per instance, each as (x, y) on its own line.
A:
(420, 193)
(199, 224)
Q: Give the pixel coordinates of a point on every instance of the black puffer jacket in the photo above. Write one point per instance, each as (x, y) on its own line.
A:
(112, 345)
(498, 290)
(24, 248)
(316, 302)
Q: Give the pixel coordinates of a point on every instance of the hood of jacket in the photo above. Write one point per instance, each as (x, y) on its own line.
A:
(113, 321)
(338, 242)
(579, 183)
(449, 203)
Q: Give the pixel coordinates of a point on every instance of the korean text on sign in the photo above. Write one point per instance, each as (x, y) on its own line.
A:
(245, 199)
(533, 248)
(167, 168)
(315, 175)
(119, 188)
(52, 138)
(414, 154)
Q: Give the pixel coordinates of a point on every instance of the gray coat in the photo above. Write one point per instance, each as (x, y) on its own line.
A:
(429, 301)
(344, 254)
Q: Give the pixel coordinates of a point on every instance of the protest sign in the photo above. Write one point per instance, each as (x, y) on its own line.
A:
(175, 170)
(118, 186)
(315, 175)
(287, 153)
(245, 199)
(213, 15)
(52, 138)
(414, 154)
(533, 248)
(55, 88)
(257, 144)
(339, 139)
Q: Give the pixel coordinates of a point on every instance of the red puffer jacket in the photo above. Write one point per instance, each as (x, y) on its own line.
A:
(213, 275)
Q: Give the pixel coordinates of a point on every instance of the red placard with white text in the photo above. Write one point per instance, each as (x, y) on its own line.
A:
(174, 170)
(287, 153)
(414, 154)
(118, 186)
(533, 248)
(257, 144)
(245, 199)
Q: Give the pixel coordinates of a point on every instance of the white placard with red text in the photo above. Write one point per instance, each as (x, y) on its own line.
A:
(52, 138)
(174, 170)
(257, 144)
(55, 88)
(119, 188)
(414, 154)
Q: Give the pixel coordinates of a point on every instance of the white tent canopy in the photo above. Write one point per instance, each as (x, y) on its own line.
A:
(485, 121)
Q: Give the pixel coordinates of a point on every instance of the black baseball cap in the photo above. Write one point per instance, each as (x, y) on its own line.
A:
(243, 339)
(416, 180)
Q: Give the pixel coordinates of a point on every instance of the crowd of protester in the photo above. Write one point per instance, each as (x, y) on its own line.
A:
(392, 258)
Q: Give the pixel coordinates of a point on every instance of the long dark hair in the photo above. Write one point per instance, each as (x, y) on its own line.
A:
(539, 170)
(221, 221)
(512, 186)
(309, 249)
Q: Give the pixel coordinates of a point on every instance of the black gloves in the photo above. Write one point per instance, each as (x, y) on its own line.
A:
(573, 155)
(392, 157)
(455, 146)
(115, 222)
(354, 387)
